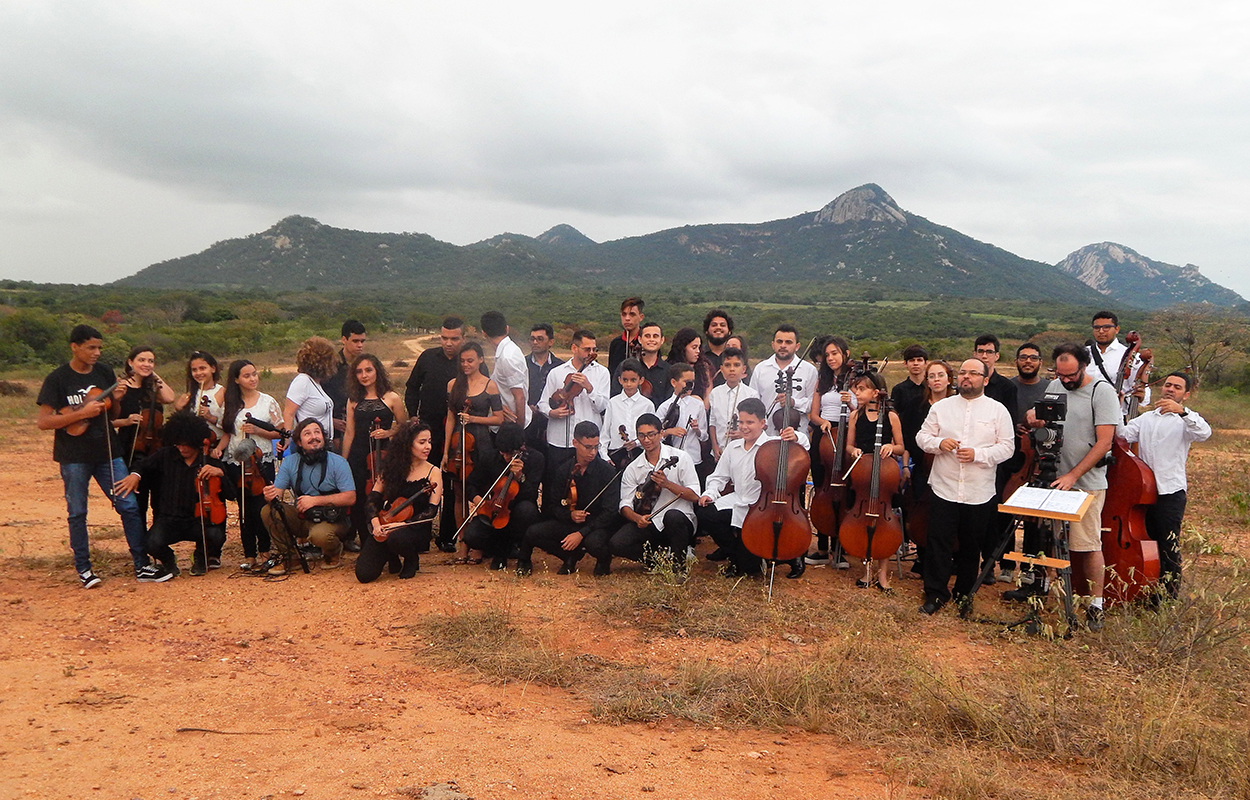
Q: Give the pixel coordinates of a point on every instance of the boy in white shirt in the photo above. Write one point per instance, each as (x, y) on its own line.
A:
(723, 401)
(619, 440)
(686, 427)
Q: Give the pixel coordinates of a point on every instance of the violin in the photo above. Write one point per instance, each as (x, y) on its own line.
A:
(371, 460)
(253, 481)
(628, 442)
(147, 434)
(570, 494)
(402, 509)
(211, 508)
(829, 500)
(103, 395)
(497, 507)
(870, 530)
(564, 396)
(461, 447)
(204, 414)
(648, 493)
(670, 417)
(776, 527)
(1132, 557)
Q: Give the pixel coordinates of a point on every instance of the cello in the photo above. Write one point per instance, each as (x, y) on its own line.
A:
(829, 499)
(776, 527)
(1131, 556)
(870, 529)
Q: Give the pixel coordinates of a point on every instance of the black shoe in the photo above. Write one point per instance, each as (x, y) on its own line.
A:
(352, 546)
(931, 606)
(719, 554)
(1023, 594)
(447, 547)
(197, 567)
(1093, 619)
(797, 567)
(214, 562)
(172, 568)
(394, 566)
(151, 573)
(603, 567)
(524, 568)
(499, 562)
(412, 565)
(568, 567)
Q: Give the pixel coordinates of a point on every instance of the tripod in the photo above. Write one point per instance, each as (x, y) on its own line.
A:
(1061, 562)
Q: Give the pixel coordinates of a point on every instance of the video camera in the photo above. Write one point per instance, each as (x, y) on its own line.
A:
(1051, 410)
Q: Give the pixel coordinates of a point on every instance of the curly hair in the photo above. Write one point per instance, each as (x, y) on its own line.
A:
(356, 392)
(315, 358)
(185, 428)
(397, 460)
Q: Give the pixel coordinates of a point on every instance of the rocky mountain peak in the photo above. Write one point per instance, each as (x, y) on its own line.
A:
(1115, 270)
(564, 235)
(867, 203)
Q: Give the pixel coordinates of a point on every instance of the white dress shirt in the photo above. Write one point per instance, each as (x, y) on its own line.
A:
(722, 403)
(1163, 442)
(764, 381)
(1112, 360)
(688, 406)
(981, 423)
(639, 472)
(588, 405)
(737, 465)
(511, 372)
(624, 410)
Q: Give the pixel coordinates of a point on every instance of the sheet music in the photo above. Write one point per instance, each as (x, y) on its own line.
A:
(1054, 500)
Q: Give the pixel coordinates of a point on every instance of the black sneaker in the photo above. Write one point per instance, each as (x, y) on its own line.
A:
(817, 559)
(214, 563)
(499, 562)
(603, 567)
(719, 554)
(150, 573)
(197, 567)
(524, 568)
(89, 579)
(568, 567)
(1093, 619)
(1023, 594)
(447, 547)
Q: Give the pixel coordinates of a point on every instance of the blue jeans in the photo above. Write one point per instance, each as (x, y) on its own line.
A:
(77, 479)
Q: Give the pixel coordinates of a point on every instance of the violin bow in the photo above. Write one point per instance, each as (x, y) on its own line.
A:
(468, 516)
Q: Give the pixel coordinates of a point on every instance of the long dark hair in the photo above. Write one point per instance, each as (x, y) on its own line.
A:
(356, 392)
(702, 367)
(397, 460)
(206, 357)
(460, 388)
(828, 378)
(147, 387)
(234, 394)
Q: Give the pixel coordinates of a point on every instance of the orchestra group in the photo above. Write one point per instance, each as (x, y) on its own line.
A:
(806, 458)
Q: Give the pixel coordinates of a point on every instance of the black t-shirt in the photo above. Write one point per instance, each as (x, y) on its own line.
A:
(66, 387)
(335, 388)
(908, 400)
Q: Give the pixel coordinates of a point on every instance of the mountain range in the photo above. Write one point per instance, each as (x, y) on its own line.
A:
(862, 240)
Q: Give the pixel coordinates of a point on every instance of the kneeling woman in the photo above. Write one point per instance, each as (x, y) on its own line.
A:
(406, 473)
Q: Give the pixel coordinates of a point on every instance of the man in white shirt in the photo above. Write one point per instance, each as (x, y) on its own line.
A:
(721, 515)
(511, 374)
(970, 435)
(592, 379)
(1163, 437)
(785, 357)
(1106, 327)
(668, 525)
(619, 441)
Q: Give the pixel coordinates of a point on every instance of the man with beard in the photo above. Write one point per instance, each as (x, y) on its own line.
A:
(970, 434)
(540, 362)
(1089, 428)
(1004, 391)
(322, 485)
(1107, 362)
(1029, 389)
(717, 328)
(784, 358)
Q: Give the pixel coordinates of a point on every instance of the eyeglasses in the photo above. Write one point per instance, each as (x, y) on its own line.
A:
(978, 373)
(984, 351)
(1067, 377)
(650, 435)
(1104, 327)
(1029, 358)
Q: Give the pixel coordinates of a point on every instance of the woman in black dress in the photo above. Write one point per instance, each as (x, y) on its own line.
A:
(406, 472)
(374, 413)
(141, 412)
(473, 406)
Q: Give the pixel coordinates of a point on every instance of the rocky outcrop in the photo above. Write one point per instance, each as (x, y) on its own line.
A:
(1121, 272)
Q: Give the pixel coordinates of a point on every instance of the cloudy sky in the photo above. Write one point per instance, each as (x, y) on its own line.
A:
(132, 132)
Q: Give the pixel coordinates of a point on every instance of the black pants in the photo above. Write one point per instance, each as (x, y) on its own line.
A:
(1163, 523)
(719, 525)
(950, 522)
(548, 536)
(630, 541)
(556, 456)
(1038, 538)
(406, 544)
(252, 531)
(1001, 521)
(167, 530)
(479, 534)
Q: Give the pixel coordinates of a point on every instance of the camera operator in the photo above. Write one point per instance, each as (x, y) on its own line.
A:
(324, 491)
(1093, 412)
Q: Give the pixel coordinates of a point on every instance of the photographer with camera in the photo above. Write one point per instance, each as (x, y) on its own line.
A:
(1093, 412)
(324, 492)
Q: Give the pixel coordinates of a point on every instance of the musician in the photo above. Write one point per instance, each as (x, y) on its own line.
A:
(526, 468)
(1004, 391)
(1108, 362)
(425, 398)
(322, 484)
(96, 453)
(145, 392)
(509, 373)
(861, 439)
(243, 439)
(969, 435)
(540, 362)
(687, 349)
(306, 398)
(654, 367)
(406, 472)
(825, 415)
(670, 525)
(724, 398)
(784, 357)
(204, 395)
(626, 345)
(718, 326)
(565, 529)
(623, 412)
(1163, 436)
(589, 404)
(907, 397)
(353, 338)
(374, 413)
(1037, 539)
(739, 341)
(182, 471)
(1089, 428)
(721, 514)
(684, 417)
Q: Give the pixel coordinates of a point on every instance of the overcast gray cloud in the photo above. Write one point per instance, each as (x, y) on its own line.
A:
(131, 132)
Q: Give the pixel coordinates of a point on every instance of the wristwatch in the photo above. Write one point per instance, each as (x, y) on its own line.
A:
(1184, 413)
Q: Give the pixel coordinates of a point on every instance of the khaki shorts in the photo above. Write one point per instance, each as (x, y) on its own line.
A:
(1086, 536)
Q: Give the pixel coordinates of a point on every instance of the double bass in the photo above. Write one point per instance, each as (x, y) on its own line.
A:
(870, 529)
(776, 526)
(1131, 556)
